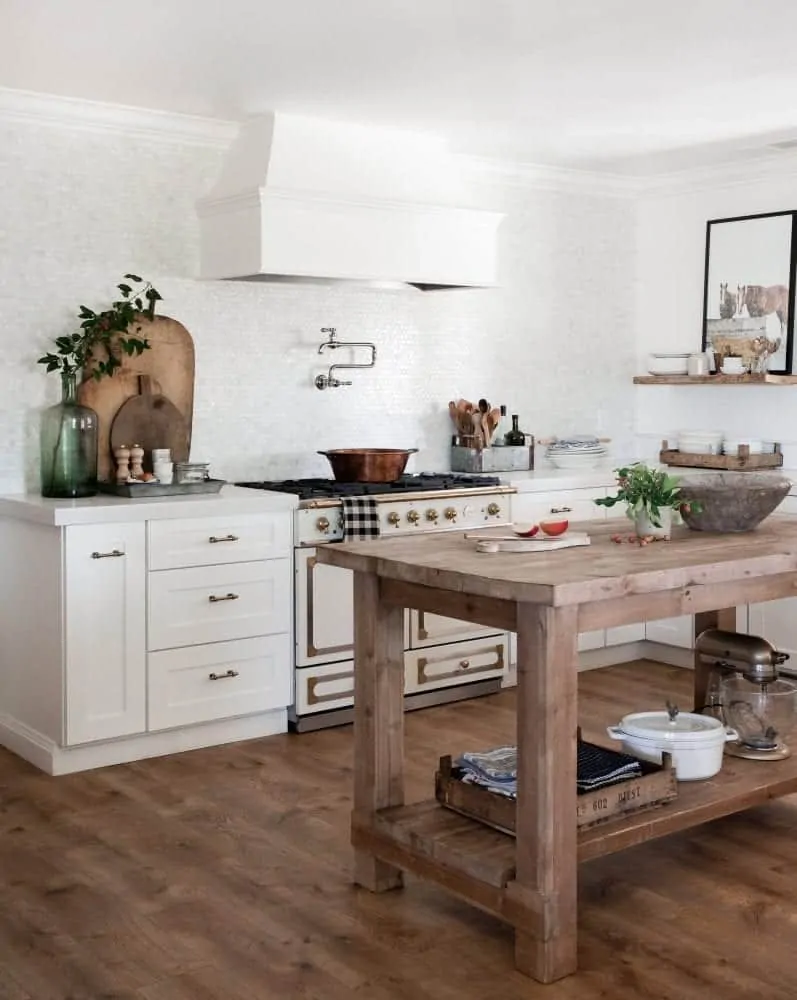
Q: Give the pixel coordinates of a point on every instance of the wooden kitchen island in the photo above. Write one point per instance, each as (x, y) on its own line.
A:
(547, 599)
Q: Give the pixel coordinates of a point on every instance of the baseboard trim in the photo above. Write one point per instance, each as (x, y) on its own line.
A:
(48, 756)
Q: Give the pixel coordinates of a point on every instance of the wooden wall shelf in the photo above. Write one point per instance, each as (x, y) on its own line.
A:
(765, 379)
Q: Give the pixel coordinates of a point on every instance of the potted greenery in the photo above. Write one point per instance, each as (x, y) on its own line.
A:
(69, 430)
(650, 496)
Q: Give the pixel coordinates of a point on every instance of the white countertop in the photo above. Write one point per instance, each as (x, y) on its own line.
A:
(104, 508)
(541, 480)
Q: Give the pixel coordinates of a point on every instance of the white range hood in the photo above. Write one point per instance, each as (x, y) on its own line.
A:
(307, 198)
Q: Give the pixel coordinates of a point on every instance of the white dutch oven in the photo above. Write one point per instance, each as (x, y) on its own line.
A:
(695, 741)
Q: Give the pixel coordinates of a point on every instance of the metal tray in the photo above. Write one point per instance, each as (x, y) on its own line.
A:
(160, 489)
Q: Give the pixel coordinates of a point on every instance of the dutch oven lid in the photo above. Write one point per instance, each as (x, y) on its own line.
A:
(671, 726)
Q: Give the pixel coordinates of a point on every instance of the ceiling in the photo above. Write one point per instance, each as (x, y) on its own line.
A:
(619, 85)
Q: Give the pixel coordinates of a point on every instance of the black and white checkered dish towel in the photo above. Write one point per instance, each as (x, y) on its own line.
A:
(360, 518)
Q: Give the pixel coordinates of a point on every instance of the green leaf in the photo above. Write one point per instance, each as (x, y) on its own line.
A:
(134, 277)
(125, 290)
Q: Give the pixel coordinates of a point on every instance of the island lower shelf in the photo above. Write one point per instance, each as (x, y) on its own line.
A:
(477, 862)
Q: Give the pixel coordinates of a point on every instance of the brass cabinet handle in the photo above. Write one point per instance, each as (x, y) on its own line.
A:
(215, 598)
(561, 510)
(107, 555)
(221, 677)
(464, 664)
(222, 538)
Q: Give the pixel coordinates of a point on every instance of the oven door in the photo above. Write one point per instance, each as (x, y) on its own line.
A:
(324, 611)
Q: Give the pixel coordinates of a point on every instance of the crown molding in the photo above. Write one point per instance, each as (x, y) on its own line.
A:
(538, 177)
(93, 116)
(723, 175)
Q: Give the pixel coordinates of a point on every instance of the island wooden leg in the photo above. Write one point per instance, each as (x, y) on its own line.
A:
(543, 897)
(378, 724)
(725, 619)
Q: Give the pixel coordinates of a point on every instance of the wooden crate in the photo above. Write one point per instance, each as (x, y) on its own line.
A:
(744, 461)
(656, 787)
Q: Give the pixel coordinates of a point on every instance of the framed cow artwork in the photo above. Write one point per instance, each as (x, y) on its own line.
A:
(748, 297)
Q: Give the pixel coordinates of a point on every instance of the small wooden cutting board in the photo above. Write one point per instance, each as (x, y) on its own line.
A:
(503, 543)
(151, 421)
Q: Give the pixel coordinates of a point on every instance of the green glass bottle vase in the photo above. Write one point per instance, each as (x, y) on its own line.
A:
(68, 446)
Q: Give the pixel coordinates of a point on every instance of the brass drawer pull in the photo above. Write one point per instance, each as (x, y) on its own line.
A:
(221, 677)
(215, 598)
(222, 538)
(107, 555)
(561, 510)
(464, 664)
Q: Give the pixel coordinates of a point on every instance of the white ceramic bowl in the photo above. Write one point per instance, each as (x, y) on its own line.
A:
(576, 461)
(668, 364)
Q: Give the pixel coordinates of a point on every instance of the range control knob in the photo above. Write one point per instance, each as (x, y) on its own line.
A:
(393, 518)
(431, 515)
(322, 525)
(450, 513)
(412, 516)
(493, 509)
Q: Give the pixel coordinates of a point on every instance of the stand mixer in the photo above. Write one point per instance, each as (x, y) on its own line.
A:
(746, 692)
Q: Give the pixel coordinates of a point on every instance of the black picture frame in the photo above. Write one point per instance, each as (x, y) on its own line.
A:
(749, 260)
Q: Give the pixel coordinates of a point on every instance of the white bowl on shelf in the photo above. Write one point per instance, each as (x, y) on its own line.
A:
(668, 364)
(730, 446)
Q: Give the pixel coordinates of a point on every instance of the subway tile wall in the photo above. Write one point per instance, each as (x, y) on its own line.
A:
(555, 341)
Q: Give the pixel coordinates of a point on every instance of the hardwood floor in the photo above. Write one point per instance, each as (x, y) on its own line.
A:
(224, 875)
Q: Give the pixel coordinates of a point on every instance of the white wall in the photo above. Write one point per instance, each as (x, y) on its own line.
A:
(80, 208)
(671, 235)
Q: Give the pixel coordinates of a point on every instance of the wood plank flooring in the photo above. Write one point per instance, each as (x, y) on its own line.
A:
(224, 874)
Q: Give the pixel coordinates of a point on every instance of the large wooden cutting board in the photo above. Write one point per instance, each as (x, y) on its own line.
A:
(170, 364)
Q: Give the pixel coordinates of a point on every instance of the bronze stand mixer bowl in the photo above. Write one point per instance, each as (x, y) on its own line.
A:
(368, 465)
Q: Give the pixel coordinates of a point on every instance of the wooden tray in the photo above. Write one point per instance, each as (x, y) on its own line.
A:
(132, 490)
(656, 787)
(742, 462)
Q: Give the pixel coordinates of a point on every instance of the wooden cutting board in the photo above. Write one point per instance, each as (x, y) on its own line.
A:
(151, 421)
(170, 364)
(503, 543)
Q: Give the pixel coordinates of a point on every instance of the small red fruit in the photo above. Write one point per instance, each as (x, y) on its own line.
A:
(527, 531)
(554, 528)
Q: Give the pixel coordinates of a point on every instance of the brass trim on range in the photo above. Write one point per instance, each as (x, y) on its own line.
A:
(312, 649)
(464, 665)
(317, 699)
(471, 491)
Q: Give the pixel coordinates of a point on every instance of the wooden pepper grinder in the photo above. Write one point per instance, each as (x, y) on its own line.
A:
(122, 457)
(136, 461)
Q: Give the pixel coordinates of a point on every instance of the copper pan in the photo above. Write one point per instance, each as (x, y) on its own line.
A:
(368, 465)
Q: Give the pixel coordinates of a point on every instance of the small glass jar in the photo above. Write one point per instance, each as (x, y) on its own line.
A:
(191, 472)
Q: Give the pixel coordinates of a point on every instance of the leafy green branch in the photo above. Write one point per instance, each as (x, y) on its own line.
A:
(103, 335)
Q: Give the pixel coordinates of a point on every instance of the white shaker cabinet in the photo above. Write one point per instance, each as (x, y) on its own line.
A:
(104, 631)
(135, 631)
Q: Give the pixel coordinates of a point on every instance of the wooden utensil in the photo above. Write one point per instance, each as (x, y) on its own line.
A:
(151, 421)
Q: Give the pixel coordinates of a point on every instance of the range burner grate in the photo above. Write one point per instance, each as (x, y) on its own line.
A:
(312, 489)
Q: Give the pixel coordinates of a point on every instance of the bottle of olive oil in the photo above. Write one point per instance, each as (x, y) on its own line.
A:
(515, 437)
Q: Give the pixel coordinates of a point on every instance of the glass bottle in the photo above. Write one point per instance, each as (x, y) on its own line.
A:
(68, 444)
(515, 437)
(502, 429)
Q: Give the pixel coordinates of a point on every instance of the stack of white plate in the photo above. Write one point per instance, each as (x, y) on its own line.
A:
(668, 364)
(580, 451)
(700, 442)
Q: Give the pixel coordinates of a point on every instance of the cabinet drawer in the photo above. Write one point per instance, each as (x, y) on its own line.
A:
(319, 689)
(434, 630)
(217, 681)
(573, 505)
(457, 663)
(215, 603)
(207, 541)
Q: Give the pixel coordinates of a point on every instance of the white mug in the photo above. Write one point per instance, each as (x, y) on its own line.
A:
(697, 364)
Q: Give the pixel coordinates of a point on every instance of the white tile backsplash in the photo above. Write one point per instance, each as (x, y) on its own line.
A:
(555, 342)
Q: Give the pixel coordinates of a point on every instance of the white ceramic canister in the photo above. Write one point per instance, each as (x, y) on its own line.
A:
(695, 741)
(696, 365)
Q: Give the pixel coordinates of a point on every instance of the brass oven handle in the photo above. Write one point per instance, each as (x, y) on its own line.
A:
(221, 677)
(215, 598)
(561, 510)
(107, 555)
(223, 538)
